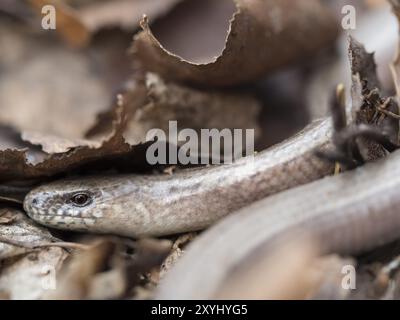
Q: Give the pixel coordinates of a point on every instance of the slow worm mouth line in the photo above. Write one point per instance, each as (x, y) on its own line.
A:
(57, 221)
(40, 215)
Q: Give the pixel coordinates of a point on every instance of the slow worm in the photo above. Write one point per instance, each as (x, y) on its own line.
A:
(155, 205)
(346, 214)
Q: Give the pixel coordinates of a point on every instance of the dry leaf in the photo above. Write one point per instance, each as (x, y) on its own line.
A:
(14, 164)
(263, 36)
(191, 108)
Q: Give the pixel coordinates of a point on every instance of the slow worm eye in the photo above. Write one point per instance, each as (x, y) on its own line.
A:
(80, 199)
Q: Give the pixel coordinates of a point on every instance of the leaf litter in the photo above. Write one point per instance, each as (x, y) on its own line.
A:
(83, 100)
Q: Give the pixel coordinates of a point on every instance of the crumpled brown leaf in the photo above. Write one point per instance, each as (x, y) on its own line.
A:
(263, 35)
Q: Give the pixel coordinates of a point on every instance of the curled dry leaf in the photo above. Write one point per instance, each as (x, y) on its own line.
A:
(263, 36)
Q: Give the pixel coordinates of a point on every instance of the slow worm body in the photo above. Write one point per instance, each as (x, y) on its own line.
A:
(347, 214)
(155, 205)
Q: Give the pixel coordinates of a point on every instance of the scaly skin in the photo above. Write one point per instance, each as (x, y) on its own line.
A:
(346, 214)
(133, 205)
